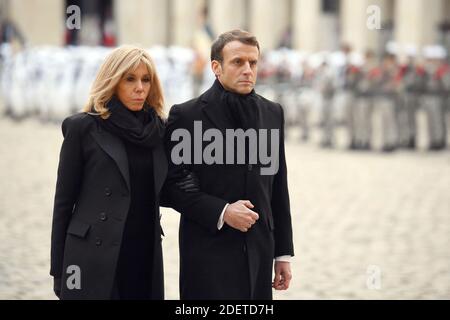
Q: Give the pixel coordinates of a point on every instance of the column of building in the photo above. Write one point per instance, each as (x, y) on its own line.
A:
(417, 22)
(41, 22)
(269, 21)
(142, 22)
(226, 15)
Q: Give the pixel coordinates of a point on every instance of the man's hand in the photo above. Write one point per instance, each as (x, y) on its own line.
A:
(283, 275)
(239, 216)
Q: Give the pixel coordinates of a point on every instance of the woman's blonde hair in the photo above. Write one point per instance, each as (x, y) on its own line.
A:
(120, 61)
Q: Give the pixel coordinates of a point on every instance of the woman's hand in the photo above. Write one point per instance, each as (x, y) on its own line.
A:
(189, 182)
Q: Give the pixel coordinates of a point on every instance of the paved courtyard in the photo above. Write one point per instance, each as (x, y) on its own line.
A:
(366, 225)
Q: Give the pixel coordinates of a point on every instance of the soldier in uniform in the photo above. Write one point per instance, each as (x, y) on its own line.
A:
(325, 85)
(364, 91)
(412, 75)
(437, 74)
(305, 100)
(346, 83)
(385, 101)
(284, 88)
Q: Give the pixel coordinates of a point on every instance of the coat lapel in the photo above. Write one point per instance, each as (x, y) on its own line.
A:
(114, 147)
(214, 111)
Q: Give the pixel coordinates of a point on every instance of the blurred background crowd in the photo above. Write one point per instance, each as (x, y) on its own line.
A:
(369, 67)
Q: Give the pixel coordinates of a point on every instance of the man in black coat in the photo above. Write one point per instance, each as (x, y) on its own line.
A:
(239, 222)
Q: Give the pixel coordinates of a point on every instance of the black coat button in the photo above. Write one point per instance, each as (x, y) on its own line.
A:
(103, 216)
(108, 191)
(98, 242)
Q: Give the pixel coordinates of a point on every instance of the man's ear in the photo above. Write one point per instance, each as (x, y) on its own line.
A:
(216, 68)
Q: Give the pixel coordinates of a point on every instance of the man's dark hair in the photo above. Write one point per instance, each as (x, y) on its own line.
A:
(226, 37)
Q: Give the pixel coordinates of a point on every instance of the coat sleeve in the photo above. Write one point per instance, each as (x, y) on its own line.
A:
(68, 183)
(280, 204)
(199, 207)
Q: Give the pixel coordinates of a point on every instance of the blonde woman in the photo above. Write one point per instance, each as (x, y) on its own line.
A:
(106, 233)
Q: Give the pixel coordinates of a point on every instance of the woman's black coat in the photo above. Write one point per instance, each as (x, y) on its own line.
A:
(91, 205)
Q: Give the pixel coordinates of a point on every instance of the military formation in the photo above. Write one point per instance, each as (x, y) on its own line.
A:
(50, 83)
(353, 91)
(373, 97)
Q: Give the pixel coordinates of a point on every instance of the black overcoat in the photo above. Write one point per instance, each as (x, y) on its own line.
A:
(92, 201)
(227, 263)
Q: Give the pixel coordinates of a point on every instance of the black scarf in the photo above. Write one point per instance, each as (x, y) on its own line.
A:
(143, 128)
(243, 109)
(244, 112)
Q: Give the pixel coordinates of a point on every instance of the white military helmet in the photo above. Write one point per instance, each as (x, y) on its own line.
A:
(434, 52)
(392, 47)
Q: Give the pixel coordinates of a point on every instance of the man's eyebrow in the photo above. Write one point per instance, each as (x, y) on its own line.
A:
(243, 57)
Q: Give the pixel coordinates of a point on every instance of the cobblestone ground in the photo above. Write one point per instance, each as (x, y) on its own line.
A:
(366, 225)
